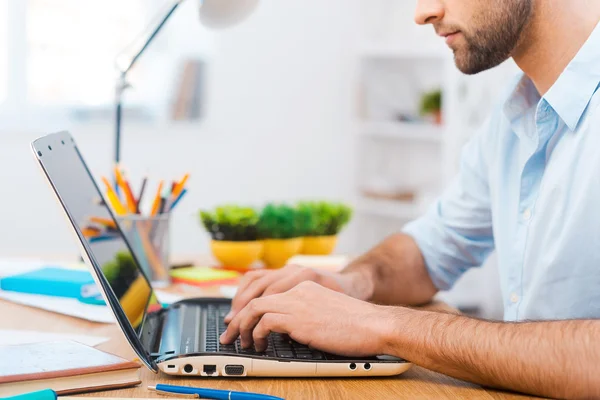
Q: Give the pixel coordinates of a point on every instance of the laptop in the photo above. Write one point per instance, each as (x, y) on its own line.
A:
(183, 338)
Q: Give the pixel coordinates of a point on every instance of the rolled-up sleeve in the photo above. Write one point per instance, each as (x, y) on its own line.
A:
(456, 233)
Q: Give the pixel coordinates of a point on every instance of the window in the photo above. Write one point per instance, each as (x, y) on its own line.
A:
(57, 58)
(72, 46)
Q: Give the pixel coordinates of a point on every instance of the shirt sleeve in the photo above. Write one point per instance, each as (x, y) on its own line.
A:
(456, 233)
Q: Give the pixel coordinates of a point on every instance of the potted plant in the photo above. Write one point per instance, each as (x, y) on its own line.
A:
(327, 222)
(280, 227)
(431, 104)
(234, 232)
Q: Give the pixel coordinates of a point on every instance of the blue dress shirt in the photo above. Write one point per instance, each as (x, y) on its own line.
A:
(529, 187)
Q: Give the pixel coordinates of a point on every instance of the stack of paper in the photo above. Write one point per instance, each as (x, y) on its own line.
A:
(13, 337)
(62, 305)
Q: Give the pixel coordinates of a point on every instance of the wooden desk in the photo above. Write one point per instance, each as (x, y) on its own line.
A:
(417, 383)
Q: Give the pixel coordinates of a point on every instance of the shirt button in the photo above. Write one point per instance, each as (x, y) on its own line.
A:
(514, 298)
(527, 214)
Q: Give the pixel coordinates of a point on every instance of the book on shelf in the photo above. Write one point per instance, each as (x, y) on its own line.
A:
(188, 98)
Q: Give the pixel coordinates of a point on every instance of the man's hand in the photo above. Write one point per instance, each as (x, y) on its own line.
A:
(316, 316)
(265, 283)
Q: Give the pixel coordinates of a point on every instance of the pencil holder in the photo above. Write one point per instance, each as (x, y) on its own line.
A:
(149, 239)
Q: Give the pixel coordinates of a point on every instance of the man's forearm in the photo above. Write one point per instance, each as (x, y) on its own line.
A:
(392, 273)
(554, 358)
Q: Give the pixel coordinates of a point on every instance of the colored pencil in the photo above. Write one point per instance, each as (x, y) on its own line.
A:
(90, 231)
(157, 198)
(113, 198)
(179, 187)
(139, 199)
(122, 182)
(172, 206)
(163, 203)
(104, 221)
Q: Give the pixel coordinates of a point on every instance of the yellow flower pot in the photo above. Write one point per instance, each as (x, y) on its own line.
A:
(278, 251)
(319, 245)
(237, 254)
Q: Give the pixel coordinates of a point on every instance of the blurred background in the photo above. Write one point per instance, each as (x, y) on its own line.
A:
(305, 99)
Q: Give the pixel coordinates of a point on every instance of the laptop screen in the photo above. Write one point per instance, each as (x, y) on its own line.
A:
(104, 241)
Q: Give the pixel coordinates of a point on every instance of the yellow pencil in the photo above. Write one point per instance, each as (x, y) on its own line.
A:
(156, 203)
(179, 187)
(131, 204)
(114, 199)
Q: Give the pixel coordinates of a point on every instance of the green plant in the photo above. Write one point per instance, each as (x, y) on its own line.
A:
(431, 102)
(328, 218)
(231, 223)
(280, 221)
(306, 219)
(120, 272)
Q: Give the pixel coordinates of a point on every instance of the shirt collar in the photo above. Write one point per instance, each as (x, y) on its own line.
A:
(523, 96)
(572, 92)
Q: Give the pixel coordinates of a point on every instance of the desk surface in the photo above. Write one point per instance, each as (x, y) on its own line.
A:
(414, 384)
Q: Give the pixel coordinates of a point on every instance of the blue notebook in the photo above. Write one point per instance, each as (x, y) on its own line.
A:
(51, 281)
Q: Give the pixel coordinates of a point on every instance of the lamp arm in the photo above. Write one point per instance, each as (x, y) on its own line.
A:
(122, 84)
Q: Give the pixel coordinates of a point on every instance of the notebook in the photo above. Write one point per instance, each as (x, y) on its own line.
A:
(204, 276)
(330, 263)
(67, 367)
(51, 281)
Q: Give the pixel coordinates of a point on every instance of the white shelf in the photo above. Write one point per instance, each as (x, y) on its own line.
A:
(389, 50)
(389, 208)
(418, 132)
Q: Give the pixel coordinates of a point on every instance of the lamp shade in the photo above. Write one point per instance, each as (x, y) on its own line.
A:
(225, 13)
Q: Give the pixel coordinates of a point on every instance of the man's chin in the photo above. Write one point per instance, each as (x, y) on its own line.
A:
(468, 64)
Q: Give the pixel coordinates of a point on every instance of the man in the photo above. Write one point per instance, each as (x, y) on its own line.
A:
(529, 187)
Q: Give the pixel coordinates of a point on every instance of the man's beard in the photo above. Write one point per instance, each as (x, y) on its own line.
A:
(497, 33)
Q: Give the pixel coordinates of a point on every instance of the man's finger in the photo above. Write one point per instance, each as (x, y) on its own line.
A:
(253, 291)
(270, 322)
(285, 284)
(248, 317)
(246, 281)
(248, 321)
(250, 277)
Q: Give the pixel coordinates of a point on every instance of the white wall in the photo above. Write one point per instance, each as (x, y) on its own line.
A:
(278, 128)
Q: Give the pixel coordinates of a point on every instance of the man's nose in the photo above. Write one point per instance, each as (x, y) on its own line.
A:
(429, 11)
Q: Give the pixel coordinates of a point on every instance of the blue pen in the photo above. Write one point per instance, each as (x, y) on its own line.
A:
(41, 395)
(213, 394)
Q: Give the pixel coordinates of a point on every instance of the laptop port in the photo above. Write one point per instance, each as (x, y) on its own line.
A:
(352, 366)
(234, 370)
(209, 369)
(188, 368)
(367, 366)
(170, 366)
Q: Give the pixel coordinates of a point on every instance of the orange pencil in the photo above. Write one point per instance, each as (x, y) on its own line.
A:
(179, 187)
(90, 231)
(131, 203)
(157, 198)
(129, 199)
(104, 221)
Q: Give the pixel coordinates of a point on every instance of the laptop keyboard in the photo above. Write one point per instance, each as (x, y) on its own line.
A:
(279, 346)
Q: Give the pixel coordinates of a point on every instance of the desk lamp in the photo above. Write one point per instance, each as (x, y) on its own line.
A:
(213, 14)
